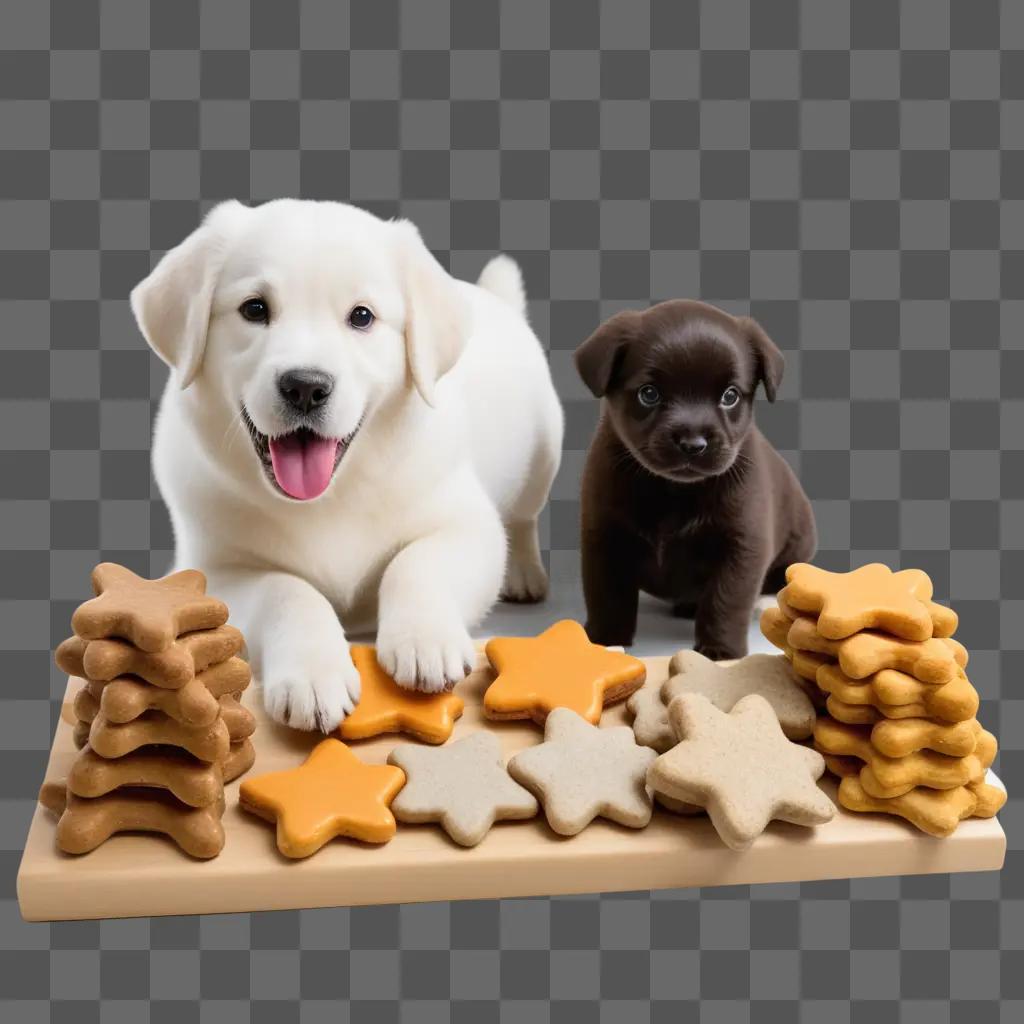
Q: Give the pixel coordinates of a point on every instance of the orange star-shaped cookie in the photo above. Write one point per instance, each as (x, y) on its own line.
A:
(870, 597)
(332, 794)
(561, 668)
(384, 706)
(151, 614)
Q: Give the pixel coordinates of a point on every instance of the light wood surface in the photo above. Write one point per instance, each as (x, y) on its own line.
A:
(132, 876)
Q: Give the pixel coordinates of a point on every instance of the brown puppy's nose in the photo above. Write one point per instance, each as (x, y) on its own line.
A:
(305, 390)
(691, 444)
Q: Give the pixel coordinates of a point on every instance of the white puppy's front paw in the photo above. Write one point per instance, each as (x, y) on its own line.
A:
(312, 692)
(427, 655)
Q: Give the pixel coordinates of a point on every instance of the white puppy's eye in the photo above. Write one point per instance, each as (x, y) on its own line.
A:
(255, 310)
(729, 397)
(360, 317)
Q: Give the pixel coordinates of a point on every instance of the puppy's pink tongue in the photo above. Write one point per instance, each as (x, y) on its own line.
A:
(303, 463)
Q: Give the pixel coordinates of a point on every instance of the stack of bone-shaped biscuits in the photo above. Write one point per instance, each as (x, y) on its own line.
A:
(899, 727)
(158, 721)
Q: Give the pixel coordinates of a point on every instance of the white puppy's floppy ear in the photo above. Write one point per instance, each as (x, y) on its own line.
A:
(436, 324)
(172, 305)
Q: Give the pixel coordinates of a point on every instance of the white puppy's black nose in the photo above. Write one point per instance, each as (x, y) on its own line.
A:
(305, 390)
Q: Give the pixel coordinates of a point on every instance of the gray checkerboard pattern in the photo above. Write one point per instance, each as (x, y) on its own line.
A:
(851, 172)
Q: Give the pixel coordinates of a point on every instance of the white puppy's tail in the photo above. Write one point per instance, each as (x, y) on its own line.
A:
(502, 277)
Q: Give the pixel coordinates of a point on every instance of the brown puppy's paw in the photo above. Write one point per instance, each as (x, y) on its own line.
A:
(608, 636)
(721, 651)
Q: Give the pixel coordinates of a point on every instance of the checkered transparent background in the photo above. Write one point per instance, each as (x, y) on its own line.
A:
(851, 172)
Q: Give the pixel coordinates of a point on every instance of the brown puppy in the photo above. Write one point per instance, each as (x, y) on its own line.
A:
(683, 497)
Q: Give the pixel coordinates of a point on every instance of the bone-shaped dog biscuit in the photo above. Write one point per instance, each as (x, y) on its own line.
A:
(935, 661)
(870, 597)
(886, 777)
(189, 655)
(193, 782)
(935, 811)
(85, 824)
(208, 743)
(196, 703)
(898, 695)
(901, 737)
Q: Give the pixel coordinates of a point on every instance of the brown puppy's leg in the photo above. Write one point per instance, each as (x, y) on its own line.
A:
(727, 606)
(610, 584)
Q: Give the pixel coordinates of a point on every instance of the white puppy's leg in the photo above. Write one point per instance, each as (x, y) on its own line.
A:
(525, 576)
(296, 645)
(431, 593)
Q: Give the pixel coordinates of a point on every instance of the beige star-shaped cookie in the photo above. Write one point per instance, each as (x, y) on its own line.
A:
(769, 675)
(650, 718)
(581, 772)
(741, 768)
(464, 786)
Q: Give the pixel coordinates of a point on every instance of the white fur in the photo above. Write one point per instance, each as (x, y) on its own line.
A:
(460, 439)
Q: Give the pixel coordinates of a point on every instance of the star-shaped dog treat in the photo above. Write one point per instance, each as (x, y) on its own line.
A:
(332, 794)
(151, 614)
(741, 768)
(561, 668)
(581, 772)
(384, 706)
(463, 786)
(871, 597)
(770, 675)
(650, 718)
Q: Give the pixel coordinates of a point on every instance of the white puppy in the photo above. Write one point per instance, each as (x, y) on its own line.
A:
(348, 431)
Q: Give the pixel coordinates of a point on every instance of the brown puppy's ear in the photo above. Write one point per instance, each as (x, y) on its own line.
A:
(769, 360)
(597, 358)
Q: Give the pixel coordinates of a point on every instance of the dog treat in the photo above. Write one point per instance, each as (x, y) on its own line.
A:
(674, 806)
(906, 736)
(871, 597)
(842, 766)
(160, 730)
(935, 811)
(192, 781)
(898, 695)
(386, 707)
(650, 718)
(581, 772)
(331, 794)
(561, 668)
(196, 703)
(775, 626)
(465, 787)
(151, 614)
(990, 799)
(886, 777)
(86, 824)
(741, 768)
(208, 743)
(188, 656)
(769, 675)
(935, 661)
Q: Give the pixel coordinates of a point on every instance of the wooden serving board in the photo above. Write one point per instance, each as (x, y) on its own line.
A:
(139, 875)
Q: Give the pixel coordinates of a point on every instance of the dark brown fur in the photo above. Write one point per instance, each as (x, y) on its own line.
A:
(708, 531)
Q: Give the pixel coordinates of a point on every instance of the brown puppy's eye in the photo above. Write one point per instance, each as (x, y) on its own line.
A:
(360, 317)
(648, 396)
(255, 310)
(729, 397)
